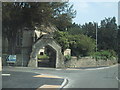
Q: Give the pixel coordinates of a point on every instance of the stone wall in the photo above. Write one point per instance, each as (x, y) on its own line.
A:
(88, 62)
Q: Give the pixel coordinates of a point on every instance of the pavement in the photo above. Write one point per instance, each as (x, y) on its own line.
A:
(102, 77)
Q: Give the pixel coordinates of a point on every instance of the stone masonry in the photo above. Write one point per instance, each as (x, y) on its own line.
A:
(46, 40)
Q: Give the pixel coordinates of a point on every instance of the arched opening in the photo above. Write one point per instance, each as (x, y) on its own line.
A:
(46, 57)
(55, 56)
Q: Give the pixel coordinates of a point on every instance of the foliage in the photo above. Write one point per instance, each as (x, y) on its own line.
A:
(67, 57)
(104, 55)
(118, 44)
(107, 34)
(62, 39)
(27, 14)
(80, 44)
(18, 15)
(75, 29)
(89, 29)
(79, 38)
(42, 56)
(64, 13)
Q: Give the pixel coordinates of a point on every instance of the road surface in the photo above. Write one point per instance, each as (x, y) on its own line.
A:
(77, 78)
(30, 80)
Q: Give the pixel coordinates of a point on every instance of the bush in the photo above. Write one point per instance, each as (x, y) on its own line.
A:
(42, 56)
(67, 57)
(104, 55)
(79, 44)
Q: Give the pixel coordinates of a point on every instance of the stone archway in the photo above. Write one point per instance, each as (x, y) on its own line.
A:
(46, 40)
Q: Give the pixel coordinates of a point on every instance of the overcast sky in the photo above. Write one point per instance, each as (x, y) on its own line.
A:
(94, 10)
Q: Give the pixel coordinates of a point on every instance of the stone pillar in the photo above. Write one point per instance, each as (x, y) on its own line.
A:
(67, 52)
(33, 63)
(60, 60)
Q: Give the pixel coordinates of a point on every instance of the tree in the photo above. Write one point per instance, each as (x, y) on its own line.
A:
(118, 45)
(79, 44)
(89, 29)
(75, 29)
(10, 23)
(62, 39)
(17, 15)
(107, 34)
(63, 15)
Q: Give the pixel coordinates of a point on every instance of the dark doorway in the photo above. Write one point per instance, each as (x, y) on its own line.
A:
(50, 60)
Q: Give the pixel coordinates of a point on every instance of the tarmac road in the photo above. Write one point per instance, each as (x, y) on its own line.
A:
(105, 77)
(95, 78)
(14, 79)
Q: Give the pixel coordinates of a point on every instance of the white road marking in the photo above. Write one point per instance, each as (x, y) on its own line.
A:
(58, 69)
(5, 74)
(47, 76)
(97, 68)
(49, 86)
(118, 79)
(64, 83)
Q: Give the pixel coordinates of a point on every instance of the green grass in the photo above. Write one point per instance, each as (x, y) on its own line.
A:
(42, 56)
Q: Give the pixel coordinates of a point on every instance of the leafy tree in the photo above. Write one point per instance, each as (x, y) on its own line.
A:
(63, 15)
(75, 29)
(17, 15)
(89, 29)
(78, 37)
(62, 39)
(80, 44)
(11, 23)
(107, 34)
(118, 46)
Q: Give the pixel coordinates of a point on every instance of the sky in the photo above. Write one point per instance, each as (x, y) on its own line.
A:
(94, 11)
